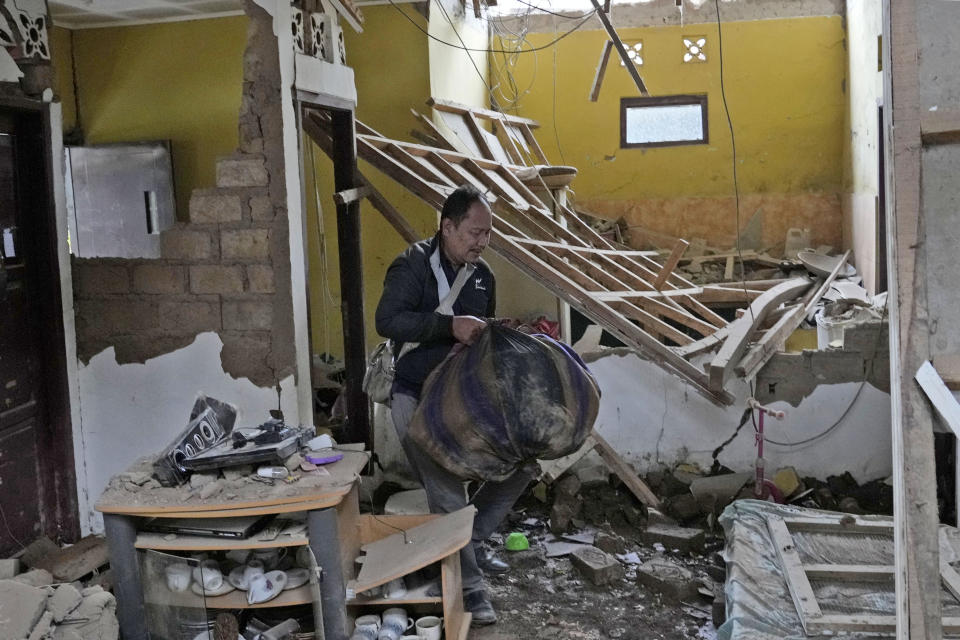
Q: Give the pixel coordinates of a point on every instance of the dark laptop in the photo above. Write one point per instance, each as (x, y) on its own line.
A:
(234, 527)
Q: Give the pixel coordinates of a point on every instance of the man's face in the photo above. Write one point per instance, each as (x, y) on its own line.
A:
(466, 241)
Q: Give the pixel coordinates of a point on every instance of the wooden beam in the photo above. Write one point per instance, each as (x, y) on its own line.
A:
(626, 474)
(349, 196)
(450, 106)
(390, 213)
(678, 248)
(940, 127)
(940, 396)
(741, 329)
(344, 155)
(601, 70)
(618, 43)
(802, 593)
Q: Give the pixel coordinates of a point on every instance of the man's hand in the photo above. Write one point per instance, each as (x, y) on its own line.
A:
(467, 328)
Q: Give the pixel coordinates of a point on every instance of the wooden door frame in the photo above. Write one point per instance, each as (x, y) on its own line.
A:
(58, 482)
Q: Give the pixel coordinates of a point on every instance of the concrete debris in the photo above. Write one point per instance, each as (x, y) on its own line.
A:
(211, 489)
(407, 502)
(610, 543)
(293, 462)
(96, 619)
(235, 473)
(675, 538)
(43, 627)
(666, 577)
(723, 487)
(583, 537)
(35, 578)
(593, 475)
(569, 486)
(684, 507)
(198, 480)
(21, 607)
(9, 567)
(565, 509)
(598, 567)
(560, 548)
(655, 516)
(65, 599)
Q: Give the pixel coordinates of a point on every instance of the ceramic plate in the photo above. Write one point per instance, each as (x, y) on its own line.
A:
(265, 590)
(236, 578)
(296, 578)
(226, 587)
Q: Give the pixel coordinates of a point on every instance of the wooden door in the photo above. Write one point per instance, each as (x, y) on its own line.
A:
(21, 378)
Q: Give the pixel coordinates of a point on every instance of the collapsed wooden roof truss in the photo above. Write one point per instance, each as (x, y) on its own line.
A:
(643, 303)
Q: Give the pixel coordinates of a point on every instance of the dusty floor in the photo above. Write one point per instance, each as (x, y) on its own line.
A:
(549, 597)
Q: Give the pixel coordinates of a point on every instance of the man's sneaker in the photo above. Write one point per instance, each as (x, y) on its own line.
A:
(476, 602)
(488, 562)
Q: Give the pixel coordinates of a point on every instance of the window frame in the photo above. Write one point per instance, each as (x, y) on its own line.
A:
(660, 101)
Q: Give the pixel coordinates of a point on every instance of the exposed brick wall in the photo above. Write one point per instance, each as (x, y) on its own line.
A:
(226, 270)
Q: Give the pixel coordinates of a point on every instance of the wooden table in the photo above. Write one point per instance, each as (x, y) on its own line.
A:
(329, 500)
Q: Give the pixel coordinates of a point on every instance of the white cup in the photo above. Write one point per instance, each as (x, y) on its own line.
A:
(239, 556)
(395, 589)
(178, 577)
(208, 575)
(303, 557)
(270, 557)
(367, 626)
(254, 568)
(429, 628)
(395, 622)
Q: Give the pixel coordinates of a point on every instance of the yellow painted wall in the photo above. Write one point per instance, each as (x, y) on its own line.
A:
(784, 86)
(61, 56)
(391, 64)
(179, 81)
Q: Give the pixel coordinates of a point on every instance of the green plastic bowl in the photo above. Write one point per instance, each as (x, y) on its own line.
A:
(516, 541)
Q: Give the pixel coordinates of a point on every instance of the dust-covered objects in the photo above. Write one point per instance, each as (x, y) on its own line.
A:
(545, 398)
(32, 607)
(832, 552)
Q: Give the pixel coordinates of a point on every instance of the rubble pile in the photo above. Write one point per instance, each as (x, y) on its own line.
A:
(602, 565)
(35, 605)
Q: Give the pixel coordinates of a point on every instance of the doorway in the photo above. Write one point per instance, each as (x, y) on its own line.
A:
(37, 477)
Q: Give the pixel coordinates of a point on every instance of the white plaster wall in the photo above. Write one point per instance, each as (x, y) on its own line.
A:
(452, 74)
(655, 420)
(865, 90)
(132, 410)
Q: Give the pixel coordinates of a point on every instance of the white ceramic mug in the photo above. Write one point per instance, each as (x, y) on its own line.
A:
(208, 575)
(395, 622)
(429, 628)
(367, 626)
(395, 589)
(240, 556)
(178, 577)
(303, 557)
(254, 568)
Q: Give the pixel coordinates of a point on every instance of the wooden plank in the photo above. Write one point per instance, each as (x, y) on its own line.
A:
(741, 329)
(450, 106)
(849, 572)
(478, 135)
(551, 470)
(940, 396)
(455, 618)
(390, 213)
(164, 542)
(950, 579)
(770, 343)
(678, 248)
(651, 323)
(825, 285)
(703, 345)
(348, 196)
(433, 131)
(715, 294)
(940, 126)
(533, 144)
(799, 586)
(618, 43)
(626, 474)
(401, 553)
(601, 70)
(667, 311)
(840, 524)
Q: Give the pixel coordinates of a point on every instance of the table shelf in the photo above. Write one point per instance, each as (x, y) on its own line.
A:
(160, 542)
(236, 599)
(413, 596)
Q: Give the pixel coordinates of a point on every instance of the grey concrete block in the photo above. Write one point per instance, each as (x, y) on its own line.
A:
(20, 608)
(245, 244)
(212, 206)
(212, 278)
(672, 537)
(9, 568)
(158, 278)
(65, 599)
(598, 567)
(668, 579)
(242, 171)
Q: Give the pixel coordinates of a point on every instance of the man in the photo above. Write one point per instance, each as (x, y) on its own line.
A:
(415, 284)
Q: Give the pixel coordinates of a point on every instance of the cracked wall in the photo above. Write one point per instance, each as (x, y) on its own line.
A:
(226, 270)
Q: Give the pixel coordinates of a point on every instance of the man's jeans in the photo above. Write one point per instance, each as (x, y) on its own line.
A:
(445, 492)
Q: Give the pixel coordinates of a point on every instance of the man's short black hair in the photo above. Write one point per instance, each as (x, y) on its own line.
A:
(459, 201)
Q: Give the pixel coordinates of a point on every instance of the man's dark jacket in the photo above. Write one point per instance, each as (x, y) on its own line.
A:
(407, 311)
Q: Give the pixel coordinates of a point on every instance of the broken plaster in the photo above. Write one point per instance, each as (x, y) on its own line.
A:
(131, 410)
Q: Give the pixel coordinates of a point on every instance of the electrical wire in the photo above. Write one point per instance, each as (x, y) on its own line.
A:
(450, 44)
(733, 144)
(846, 412)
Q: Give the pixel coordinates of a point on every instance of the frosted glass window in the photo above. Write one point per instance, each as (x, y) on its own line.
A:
(671, 120)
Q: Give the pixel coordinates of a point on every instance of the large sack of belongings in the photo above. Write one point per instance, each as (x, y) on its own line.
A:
(505, 401)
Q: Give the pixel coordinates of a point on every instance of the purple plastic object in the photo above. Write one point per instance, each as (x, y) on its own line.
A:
(323, 457)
